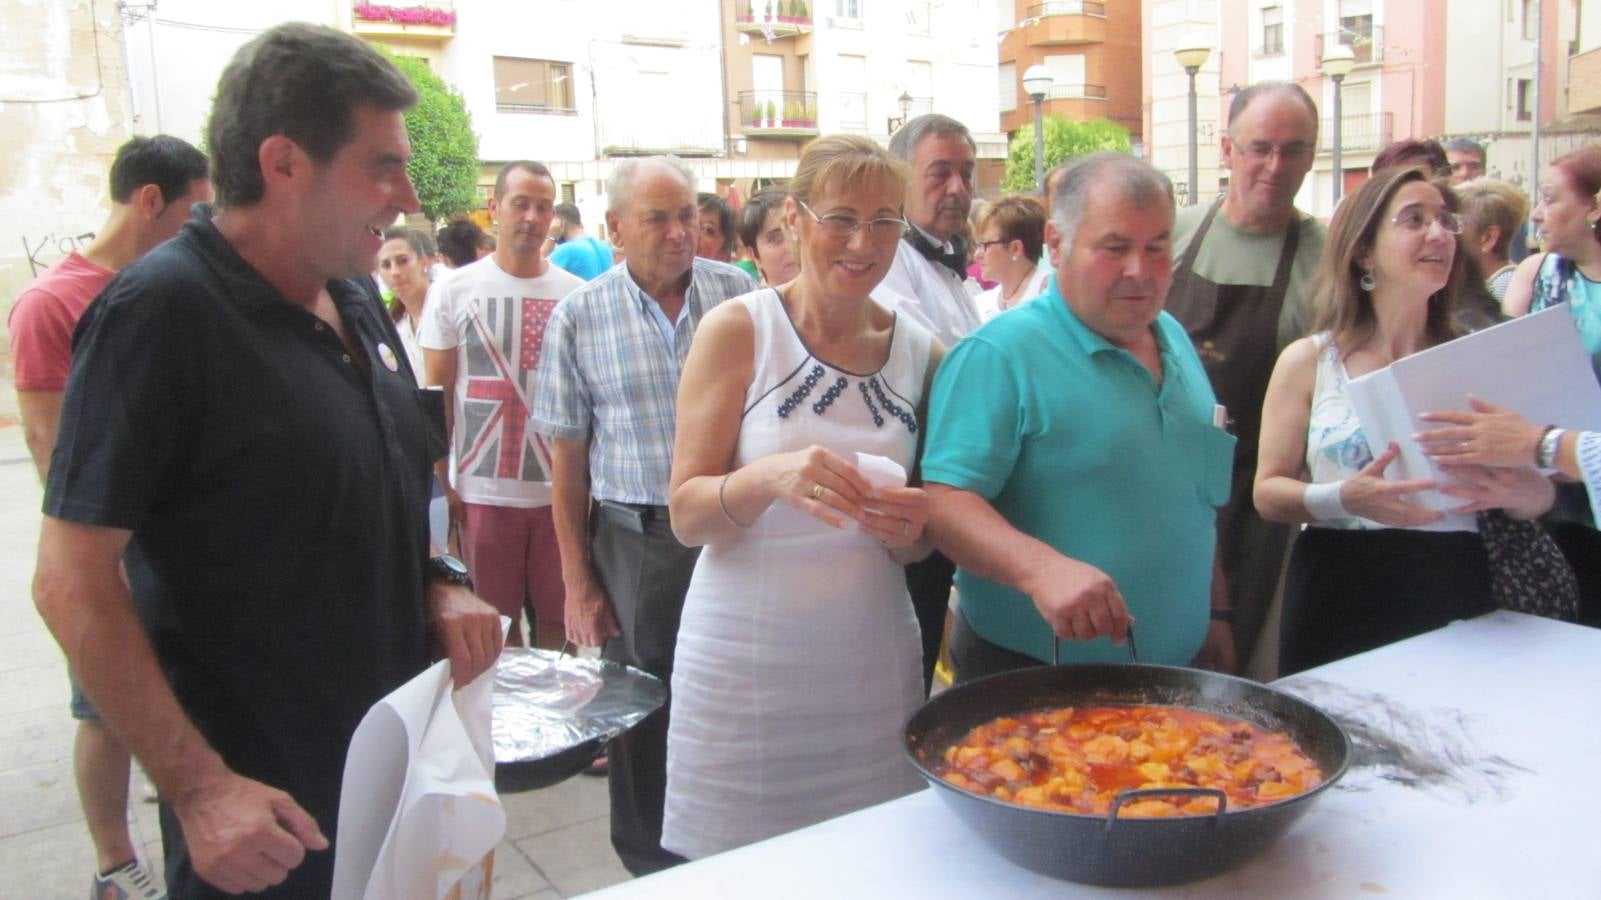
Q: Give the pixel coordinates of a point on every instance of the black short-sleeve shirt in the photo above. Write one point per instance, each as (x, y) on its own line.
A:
(277, 496)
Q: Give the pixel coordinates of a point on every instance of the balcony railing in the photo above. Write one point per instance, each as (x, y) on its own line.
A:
(1368, 132)
(435, 21)
(1365, 47)
(1066, 8)
(773, 18)
(1077, 92)
(780, 114)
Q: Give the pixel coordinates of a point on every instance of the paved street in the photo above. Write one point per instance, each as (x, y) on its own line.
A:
(556, 840)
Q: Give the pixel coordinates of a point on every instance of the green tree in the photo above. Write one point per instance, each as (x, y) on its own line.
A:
(444, 149)
(1064, 140)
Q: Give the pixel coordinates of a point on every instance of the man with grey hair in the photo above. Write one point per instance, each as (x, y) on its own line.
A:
(606, 398)
(1466, 157)
(928, 281)
(1073, 466)
(1242, 290)
(929, 275)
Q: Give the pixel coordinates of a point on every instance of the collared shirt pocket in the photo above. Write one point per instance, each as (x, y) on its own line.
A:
(1217, 465)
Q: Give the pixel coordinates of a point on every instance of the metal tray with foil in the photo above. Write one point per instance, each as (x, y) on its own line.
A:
(554, 713)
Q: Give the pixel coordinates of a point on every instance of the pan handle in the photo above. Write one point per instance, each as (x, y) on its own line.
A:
(1146, 793)
(1056, 648)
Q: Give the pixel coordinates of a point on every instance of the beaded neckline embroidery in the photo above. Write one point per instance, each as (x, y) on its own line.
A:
(870, 387)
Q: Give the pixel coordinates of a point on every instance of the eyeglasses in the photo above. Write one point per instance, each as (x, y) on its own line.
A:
(1418, 220)
(1290, 153)
(840, 226)
(985, 245)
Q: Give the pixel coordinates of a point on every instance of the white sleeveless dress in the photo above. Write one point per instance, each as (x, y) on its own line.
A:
(798, 658)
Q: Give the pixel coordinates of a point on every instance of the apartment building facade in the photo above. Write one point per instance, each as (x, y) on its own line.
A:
(1423, 68)
(797, 69)
(1093, 51)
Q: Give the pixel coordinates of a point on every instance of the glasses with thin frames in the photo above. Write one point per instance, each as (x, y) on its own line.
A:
(1418, 220)
(843, 227)
(1290, 153)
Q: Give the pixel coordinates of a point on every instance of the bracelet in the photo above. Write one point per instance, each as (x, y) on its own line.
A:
(1545, 454)
(1323, 501)
(1225, 614)
(723, 504)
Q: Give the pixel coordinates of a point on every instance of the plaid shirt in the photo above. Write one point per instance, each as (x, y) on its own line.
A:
(607, 375)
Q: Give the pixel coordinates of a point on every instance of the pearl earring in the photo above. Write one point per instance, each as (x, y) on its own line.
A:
(1366, 282)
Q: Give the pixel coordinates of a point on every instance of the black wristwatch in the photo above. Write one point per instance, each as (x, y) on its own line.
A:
(449, 569)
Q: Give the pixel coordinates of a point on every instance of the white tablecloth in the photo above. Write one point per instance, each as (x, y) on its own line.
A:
(1478, 774)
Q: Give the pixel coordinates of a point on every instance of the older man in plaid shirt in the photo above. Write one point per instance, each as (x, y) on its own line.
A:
(607, 386)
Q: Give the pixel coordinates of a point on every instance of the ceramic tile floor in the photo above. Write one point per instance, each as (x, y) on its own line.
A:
(556, 839)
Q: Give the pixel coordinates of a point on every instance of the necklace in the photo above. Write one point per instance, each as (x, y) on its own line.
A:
(1009, 298)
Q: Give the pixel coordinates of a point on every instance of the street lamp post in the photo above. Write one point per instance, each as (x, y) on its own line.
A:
(1037, 82)
(1337, 63)
(1191, 54)
(905, 103)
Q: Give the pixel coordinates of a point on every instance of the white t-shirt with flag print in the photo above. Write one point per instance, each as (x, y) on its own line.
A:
(496, 323)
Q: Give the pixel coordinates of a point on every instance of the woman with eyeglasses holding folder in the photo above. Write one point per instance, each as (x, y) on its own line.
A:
(798, 657)
(1373, 565)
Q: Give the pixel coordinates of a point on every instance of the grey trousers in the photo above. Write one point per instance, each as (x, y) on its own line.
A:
(645, 573)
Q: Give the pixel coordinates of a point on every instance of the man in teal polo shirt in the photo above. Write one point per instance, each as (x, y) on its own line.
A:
(1073, 465)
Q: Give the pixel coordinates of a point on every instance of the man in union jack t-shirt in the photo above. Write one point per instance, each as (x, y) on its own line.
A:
(481, 335)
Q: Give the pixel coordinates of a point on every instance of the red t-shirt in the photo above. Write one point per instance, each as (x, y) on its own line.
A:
(43, 318)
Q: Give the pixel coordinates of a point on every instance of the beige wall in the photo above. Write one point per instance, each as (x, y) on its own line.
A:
(55, 155)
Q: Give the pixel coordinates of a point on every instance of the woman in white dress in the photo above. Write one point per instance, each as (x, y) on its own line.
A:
(1011, 237)
(798, 656)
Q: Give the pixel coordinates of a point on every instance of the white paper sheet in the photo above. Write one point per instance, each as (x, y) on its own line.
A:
(419, 818)
(1534, 365)
(880, 472)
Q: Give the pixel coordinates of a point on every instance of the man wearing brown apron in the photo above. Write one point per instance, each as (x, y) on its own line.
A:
(1242, 291)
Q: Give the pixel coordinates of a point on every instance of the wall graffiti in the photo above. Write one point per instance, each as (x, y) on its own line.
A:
(50, 247)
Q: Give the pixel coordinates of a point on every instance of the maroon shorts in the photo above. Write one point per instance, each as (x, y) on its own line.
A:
(515, 563)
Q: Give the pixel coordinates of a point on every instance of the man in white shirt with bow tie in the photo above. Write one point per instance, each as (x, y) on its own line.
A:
(928, 282)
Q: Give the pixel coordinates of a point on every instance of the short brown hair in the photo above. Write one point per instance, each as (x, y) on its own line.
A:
(303, 82)
(1343, 308)
(1488, 201)
(1018, 218)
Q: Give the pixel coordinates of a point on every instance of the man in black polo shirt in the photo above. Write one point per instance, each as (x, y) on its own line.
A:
(241, 421)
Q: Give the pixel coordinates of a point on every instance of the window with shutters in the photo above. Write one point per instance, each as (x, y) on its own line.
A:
(533, 86)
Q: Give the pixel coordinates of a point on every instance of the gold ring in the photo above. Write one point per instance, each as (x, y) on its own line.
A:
(817, 492)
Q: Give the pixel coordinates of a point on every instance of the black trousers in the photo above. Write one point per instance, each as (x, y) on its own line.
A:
(929, 584)
(1347, 592)
(976, 657)
(645, 573)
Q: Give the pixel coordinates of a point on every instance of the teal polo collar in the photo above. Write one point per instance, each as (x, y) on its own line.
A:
(1086, 339)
